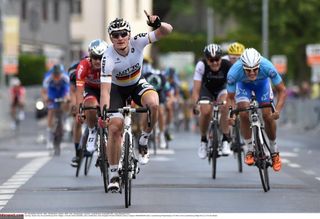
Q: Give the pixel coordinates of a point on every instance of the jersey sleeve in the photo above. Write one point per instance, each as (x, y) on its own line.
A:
(107, 66)
(81, 74)
(232, 79)
(272, 72)
(199, 71)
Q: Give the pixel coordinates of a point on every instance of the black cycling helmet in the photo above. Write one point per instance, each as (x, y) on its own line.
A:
(57, 69)
(212, 50)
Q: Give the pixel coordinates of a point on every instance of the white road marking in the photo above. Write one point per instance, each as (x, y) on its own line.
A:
(288, 154)
(318, 178)
(159, 158)
(294, 165)
(33, 154)
(162, 152)
(309, 172)
(5, 197)
(8, 188)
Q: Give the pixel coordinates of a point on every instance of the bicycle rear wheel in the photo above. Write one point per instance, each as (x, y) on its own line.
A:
(87, 164)
(57, 138)
(82, 150)
(238, 145)
(261, 161)
(126, 171)
(213, 152)
(103, 162)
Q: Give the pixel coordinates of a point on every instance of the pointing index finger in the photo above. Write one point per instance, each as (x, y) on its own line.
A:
(146, 13)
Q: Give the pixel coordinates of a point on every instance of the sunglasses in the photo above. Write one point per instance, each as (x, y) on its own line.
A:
(116, 35)
(255, 69)
(214, 59)
(95, 57)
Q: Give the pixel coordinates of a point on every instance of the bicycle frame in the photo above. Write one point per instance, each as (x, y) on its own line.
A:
(214, 134)
(128, 163)
(262, 151)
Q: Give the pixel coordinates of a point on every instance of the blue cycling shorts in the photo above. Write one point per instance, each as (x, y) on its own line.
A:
(261, 88)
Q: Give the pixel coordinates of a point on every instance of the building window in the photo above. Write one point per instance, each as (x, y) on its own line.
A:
(56, 10)
(76, 51)
(24, 9)
(76, 7)
(45, 10)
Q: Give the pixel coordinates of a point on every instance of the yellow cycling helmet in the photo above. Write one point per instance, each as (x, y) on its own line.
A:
(235, 49)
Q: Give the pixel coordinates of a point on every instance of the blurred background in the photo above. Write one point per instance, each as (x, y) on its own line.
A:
(35, 34)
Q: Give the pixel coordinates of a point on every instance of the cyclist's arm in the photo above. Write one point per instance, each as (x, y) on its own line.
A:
(163, 30)
(196, 91)
(281, 96)
(105, 94)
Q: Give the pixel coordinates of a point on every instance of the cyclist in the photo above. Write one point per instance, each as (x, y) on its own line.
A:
(210, 79)
(234, 52)
(172, 96)
(76, 128)
(88, 87)
(252, 73)
(158, 81)
(17, 93)
(121, 78)
(56, 84)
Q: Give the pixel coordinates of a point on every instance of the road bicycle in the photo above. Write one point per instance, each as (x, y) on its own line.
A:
(128, 164)
(100, 142)
(214, 134)
(262, 153)
(57, 129)
(237, 143)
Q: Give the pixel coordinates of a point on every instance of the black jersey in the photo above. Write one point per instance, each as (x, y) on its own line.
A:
(216, 81)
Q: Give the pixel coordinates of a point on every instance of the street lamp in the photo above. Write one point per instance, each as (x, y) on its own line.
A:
(265, 28)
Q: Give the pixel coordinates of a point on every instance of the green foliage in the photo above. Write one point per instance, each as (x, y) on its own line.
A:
(31, 69)
(292, 25)
(177, 42)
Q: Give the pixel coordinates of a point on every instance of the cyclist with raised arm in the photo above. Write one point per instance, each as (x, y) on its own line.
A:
(252, 72)
(88, 87)
(234, 52)
(56, 84)
(210, 80)
(121, 78)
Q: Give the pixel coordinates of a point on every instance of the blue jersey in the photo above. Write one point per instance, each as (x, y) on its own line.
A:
(237, 74)
(56, 89)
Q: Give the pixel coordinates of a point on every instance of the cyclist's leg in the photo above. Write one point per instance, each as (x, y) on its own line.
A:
(115, 127)
(50, 117)
(114, 150)
(224, 123)
(264, 95)
(242, 98)
(91, 100)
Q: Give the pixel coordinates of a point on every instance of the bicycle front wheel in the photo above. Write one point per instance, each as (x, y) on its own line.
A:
(126, 171)
(261, 160)
(213, 152)
(82, 149)
(238, 145)
(103, 162)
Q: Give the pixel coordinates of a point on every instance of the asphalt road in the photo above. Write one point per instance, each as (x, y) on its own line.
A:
(175, 180)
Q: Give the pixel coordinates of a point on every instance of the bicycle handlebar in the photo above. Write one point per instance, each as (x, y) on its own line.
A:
(214, 103)
(251, 108)
(128, 109)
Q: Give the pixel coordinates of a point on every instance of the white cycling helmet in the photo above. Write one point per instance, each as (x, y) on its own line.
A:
(118, 24)
(250, 58)
(97, 47)
(212, 50)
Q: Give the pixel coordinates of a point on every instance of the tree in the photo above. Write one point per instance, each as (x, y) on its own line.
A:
(292, 25)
